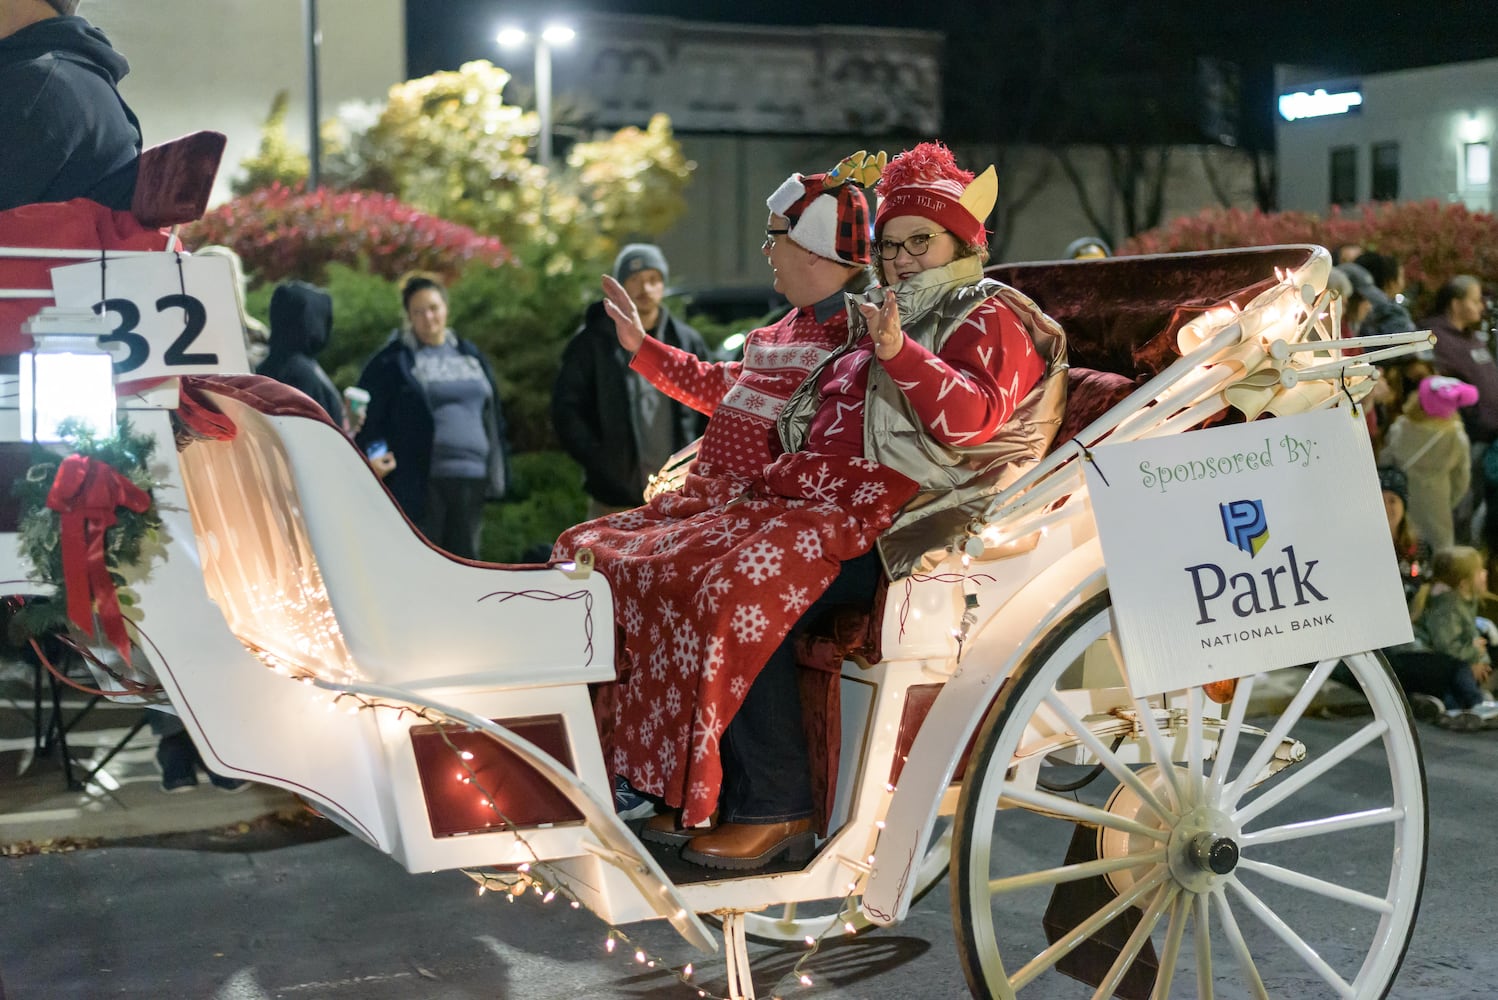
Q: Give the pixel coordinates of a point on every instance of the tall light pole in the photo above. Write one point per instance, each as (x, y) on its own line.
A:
(553, 34)
(314, 137)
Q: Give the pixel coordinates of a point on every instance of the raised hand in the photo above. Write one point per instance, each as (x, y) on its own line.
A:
(621, 309)
(884, 327)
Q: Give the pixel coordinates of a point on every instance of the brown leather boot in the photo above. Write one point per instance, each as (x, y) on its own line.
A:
(746, 846)
(666, 828)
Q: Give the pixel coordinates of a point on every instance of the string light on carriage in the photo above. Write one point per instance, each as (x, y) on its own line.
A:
(538, 877)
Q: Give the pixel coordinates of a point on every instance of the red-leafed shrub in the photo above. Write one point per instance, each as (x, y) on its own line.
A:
(282, 232)
(1434, 240)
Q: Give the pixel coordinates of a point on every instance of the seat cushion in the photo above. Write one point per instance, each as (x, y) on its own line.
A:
(1089, 394)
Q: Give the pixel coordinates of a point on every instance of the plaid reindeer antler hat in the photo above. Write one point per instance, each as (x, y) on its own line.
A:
(828, 215)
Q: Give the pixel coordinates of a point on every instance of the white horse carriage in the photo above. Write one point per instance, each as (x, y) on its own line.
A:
(439, 709)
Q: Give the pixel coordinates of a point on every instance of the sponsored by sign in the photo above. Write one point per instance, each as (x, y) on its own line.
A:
(1246, 548)
(171, 314)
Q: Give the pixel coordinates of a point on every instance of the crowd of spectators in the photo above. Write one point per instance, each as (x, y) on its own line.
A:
(1434, 421)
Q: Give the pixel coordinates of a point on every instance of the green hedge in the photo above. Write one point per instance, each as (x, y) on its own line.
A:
(547, 499)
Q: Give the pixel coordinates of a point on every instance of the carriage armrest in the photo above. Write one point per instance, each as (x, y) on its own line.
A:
(175, 179)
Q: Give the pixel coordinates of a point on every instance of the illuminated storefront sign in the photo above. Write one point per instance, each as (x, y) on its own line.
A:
(1318, 104)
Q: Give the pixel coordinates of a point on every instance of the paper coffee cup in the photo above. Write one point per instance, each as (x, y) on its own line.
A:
(357, 400)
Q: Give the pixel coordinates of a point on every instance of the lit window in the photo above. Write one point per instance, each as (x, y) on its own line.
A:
(1476, 164)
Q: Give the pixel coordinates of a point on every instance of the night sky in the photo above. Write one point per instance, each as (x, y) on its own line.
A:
(992, 43)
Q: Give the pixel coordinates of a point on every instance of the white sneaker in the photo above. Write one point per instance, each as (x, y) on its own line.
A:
(1485, 710)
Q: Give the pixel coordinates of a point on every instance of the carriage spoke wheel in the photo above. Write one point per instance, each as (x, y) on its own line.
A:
(1198, 856)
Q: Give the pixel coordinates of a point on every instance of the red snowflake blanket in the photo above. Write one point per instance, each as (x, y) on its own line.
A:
(707, 581)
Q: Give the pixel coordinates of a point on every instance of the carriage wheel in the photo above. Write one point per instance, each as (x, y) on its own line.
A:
(1292, 874)
(795, 922)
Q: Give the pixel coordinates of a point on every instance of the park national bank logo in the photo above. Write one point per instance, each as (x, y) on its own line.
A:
(1245, 525)
(1236, 597)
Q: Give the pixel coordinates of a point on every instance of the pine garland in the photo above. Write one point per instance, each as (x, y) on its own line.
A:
(40, 529)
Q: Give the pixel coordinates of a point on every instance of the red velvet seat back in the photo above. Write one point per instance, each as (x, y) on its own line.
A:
(1121, 314)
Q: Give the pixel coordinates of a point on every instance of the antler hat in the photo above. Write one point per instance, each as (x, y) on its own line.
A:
(828, 215)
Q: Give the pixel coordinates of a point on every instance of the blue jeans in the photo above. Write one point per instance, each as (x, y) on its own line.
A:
(1446, 677)
(766, 777)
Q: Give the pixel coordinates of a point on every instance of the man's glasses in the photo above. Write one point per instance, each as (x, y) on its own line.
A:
(770, 234)
(916, 245)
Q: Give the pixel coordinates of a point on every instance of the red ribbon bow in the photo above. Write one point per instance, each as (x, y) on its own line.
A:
(86, 492)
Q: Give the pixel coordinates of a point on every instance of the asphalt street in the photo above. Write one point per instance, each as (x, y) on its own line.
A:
(334, 919)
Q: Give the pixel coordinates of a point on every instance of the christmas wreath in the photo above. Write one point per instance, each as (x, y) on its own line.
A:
(85, 514)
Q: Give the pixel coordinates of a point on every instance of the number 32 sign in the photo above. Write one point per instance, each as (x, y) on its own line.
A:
(172, 314)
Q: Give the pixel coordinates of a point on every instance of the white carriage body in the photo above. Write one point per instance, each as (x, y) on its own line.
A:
(289, 590)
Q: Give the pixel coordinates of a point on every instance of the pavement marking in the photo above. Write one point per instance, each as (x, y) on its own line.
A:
(242, 986)
(335, 984)
(40, 816)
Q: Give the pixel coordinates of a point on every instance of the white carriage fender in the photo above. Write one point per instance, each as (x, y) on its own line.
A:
(959, 709)
(618, 845)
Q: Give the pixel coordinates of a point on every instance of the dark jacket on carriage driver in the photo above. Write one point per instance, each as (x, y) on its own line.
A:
(65, 132)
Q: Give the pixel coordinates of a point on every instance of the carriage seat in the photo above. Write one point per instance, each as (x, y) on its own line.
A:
(172, 186)
(1121, 316)
(317, 569)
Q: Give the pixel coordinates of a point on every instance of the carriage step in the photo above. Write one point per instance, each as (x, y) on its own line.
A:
(682, 872)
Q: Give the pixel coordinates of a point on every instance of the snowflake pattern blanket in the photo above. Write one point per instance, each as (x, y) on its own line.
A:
(707, 582)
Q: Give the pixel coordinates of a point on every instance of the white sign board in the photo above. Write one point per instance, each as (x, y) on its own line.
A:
(1246, 548)
(173, 314)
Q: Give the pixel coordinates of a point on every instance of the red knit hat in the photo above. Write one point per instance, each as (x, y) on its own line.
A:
(827, 216)
(926, 181)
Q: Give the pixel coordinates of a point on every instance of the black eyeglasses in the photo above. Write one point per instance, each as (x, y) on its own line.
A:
(916, 245)
(770, 234)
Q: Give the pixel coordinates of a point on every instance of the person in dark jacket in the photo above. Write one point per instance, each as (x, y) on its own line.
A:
(301, 321)
(435, 409)
(65, 132)
(614, 423)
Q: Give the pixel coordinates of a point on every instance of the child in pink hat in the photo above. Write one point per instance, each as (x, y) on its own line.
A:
(1430, 444)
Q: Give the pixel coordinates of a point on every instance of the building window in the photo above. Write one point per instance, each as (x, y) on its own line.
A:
(1476, 164)
(1386, 171)
(1344, 180)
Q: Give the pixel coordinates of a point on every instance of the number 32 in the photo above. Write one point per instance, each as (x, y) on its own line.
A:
(195, 317)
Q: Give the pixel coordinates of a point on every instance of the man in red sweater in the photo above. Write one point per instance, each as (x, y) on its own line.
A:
(817, 246)
(812, 270)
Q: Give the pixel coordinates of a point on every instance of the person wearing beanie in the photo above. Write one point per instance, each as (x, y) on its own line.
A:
(1429, 445)
(951, 370)
(1087, 248)
(608, 417)
(817, 247)
(67, 132)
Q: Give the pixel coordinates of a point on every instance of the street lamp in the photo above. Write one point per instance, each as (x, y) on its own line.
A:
(511, 37)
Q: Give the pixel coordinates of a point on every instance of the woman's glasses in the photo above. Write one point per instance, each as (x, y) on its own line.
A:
(916, 245)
